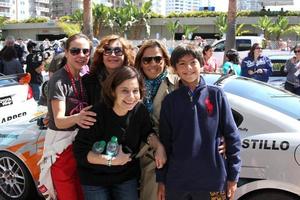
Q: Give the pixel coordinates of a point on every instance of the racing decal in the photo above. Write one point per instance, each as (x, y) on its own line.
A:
(6, 101)
(265, 144)
(11, 117)
(297, 154)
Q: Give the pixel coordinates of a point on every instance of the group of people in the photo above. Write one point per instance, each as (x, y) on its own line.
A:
(255, 65)
(177, 135)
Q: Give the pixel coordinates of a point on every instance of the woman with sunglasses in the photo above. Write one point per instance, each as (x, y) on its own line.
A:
(152, 60)
(67, 109)
(292, 68)
(255, 65)
(113, 52)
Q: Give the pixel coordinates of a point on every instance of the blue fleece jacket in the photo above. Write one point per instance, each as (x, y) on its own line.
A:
(191, 126)
(262, 62)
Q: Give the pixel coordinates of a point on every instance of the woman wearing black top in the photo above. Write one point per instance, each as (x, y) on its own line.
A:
(124, 116)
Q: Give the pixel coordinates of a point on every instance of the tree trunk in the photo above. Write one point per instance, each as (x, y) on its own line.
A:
(231, 20)
(87, 18)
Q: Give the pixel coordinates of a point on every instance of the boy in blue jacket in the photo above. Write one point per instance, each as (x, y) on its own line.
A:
(193, 119)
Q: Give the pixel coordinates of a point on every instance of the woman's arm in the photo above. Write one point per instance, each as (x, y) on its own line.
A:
(160, 153)
(84, 119)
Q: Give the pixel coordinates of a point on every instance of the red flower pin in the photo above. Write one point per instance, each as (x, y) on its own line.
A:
(209, 106)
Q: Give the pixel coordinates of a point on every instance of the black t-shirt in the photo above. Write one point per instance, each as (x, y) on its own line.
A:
(130, 130)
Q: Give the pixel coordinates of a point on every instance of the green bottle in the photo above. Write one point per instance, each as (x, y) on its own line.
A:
(99, 147)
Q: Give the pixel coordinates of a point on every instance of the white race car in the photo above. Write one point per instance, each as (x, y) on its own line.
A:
(268, 119)
(16, 99)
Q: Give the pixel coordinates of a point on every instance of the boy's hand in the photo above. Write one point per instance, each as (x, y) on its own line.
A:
(160, 156)
(231, 188)
(161, 191)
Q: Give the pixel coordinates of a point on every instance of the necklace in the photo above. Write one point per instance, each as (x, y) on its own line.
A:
(72, 79)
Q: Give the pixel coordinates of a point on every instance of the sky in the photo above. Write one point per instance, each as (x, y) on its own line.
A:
(295, 7)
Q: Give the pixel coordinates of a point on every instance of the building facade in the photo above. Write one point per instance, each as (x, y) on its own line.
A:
(182, 5)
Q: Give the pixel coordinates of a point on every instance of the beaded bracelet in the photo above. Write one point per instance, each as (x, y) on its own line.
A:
(109, 160)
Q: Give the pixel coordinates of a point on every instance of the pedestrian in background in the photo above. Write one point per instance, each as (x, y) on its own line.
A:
(209, 62)
(34, 66)
(232, 64)
(292, 68)
(255, 65)
(10, 62)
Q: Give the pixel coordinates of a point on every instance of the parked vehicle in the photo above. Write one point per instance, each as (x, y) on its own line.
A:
(16, 99)
(278, 76)
(21, 147)
(268, 119)
(243, 45)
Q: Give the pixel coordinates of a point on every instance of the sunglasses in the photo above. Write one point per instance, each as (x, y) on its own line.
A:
(147, 60)
(75, 51)
(297, 51)
(108, 51)
(258, 48)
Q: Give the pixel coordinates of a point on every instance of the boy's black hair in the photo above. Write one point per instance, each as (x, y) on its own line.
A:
(183, 50)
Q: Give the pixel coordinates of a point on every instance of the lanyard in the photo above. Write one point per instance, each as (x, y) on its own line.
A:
(71, 77)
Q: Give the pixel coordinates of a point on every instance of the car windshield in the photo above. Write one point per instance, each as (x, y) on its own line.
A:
(264, 94)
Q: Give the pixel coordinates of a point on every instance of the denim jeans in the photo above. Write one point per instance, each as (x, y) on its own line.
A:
(123, 191)
(36, 88)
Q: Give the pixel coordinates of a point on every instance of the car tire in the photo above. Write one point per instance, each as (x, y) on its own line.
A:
(15, 180)
(271, 195)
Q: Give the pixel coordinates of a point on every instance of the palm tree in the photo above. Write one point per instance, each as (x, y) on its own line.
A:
(102, 17)
(173, 27)
(280, 27)
(188, 30)
(125, 17)
(221, 23)
(143, 15)
(87, 18)
(231, 30)
(265, 25)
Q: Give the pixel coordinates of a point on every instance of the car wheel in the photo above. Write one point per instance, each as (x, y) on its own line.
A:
(271, 195)
(15, 179)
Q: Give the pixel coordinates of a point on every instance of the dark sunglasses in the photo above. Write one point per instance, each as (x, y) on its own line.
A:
(258, 48)
(147, 60)
(117, 50)
(75, 51)
(297, 51)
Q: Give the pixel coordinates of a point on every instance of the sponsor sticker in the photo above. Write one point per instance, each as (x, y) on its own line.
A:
(6, 101)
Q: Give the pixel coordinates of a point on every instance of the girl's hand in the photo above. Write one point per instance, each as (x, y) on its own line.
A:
(160, 156)
(121, 158)
(86, 118)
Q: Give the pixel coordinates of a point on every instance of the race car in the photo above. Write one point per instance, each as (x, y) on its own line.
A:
(21, 147)
(16, 99)
(268, 119)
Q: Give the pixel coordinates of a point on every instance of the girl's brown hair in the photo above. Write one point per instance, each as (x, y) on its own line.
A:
(98, 64)
(117, 78)
(151, 44)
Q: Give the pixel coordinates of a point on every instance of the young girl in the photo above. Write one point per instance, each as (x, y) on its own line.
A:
(124, 116)
(66, 109)
(232, 66)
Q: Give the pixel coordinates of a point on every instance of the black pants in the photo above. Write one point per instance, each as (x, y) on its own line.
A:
(290, 87)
